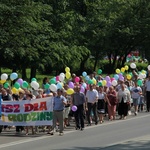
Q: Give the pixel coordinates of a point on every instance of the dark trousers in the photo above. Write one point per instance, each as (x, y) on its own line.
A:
(148, 100)
(92, 107)
(18, 128)
(79, 116)
(123, 108)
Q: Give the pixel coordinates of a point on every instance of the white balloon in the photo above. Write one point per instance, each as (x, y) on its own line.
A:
(148, 67)
(141, 75)
(62, 74)
(61, 78)
(33, 83)
(144, 76)
(133, 65)
(36, 86)
(114, 83)
(53, 87)
(4, 76)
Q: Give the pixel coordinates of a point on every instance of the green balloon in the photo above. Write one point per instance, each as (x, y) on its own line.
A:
(100, 84)
(46, 86)
(17, 85)
(99, 71)
(139, 82)
(90, 82)
(6, 85)
(52, 81)
(33, 79)
(25, 84)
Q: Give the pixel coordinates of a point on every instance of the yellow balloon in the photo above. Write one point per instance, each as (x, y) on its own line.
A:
(62, 84)
(117, 71)
(129, 76)
(14, 90)
(70, 91)
(2, 81)
(94, 81)
(143, 71)
(122, 69)
(126, 67)
(104, 82)
(68, 75)
(67, 69)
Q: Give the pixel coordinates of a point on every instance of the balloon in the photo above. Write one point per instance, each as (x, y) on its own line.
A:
(13, 76)
(99, 71)
(117, 71)
(112, 79)
(14, 90)
(33, 79)
(17, 85)
(71, 85)
(116, 76)
(4, 76)
(104, 82)
(133, 65)
(68, 75)
(90, 82)
(100, 83)
(35, 85)
(61, 78)
(2, 81)
(108, 84)
(84, 85)
(84, 74)
(129, 76)
(67, 69)
(62, 74)
(59, 85)
(126, 67)
(6, 85)
(46, 86)
(20, 81)
(70, 91)
(114, 83)
(74, 108)
(120, 75)
(87, 78)
(57, 79)
(144, 76)
(77, 79)
(148, 67)
(82, 89)
(139, 82)
(25, 84)
(94, 81)
(143, 71)
(121, 78)
(53, 87)
(122, 69)
(107, 78)
(52, 81)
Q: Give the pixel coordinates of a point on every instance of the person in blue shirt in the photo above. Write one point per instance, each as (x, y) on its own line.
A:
(59, 103)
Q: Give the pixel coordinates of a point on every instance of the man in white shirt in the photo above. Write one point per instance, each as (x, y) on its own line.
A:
(91, 103)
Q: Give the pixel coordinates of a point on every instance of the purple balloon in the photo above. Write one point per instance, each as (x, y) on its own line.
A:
(121, 78)
(74, 108)
(107, 78)
(120, 75)
(108, 84)
(71, 85)
(82, 89)
(20, 81)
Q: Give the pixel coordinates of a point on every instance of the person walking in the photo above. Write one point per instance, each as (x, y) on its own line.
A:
(147, 89)
(91, 103)
(78, 99)
(59, 103)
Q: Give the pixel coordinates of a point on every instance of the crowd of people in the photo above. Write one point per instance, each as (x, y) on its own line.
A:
(95, 104)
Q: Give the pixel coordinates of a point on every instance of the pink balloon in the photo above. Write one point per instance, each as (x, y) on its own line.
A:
(57, 78)
(77, 79)
(112, 79)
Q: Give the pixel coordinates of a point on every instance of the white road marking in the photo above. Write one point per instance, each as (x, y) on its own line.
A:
(67, 132)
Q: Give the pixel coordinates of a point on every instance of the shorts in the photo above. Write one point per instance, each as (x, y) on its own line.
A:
(66, 112)
(135, 101)
(101, 111)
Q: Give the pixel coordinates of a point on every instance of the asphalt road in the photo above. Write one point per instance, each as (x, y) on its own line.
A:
(133, 133)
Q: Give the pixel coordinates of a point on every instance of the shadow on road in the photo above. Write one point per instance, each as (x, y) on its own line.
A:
(130, 145)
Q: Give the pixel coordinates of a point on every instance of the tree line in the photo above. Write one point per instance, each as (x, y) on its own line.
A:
(48, 35)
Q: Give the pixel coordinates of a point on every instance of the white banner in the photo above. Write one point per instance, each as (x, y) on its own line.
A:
(27, 112)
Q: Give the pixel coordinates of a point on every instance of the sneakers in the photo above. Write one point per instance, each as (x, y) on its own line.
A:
(135, 113)
(61, 133)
